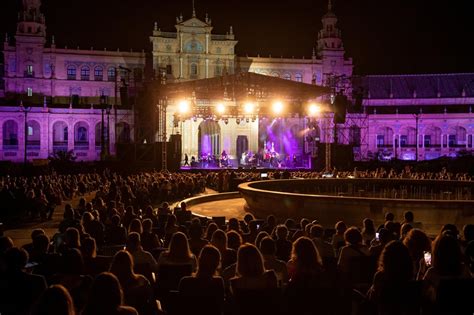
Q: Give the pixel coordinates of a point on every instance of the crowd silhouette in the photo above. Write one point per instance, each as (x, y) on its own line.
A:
(117, 254)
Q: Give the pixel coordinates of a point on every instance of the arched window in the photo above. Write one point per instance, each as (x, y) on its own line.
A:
(384, 137)
(81, 136)
(98, 73)
(33, 134)
(111, 74)
(10, 135)
(287, 76)
(71, 72)
(298, 77)
(60, 136)
(85, 73)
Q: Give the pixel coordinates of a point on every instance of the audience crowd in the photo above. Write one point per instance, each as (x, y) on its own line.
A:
(117, 254)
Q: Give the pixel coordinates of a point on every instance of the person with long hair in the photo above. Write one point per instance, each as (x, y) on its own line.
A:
(205, 281)
(394, 268)
(417, 243)
(368, 231)
(447, 263)
(305, 263)
(251, 273)
(211, 228)
(137, 290)
(106, 297)
(178, 252)
(55, 300)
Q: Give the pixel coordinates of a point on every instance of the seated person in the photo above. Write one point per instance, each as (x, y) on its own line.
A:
(251, 274)
(178, 252)
(140, 257)
(20, 290)
(354, 248)
(204, 283)
(137, 290)
(106, 297)
(268, 250)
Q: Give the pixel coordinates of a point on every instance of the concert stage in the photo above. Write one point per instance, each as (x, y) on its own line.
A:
(261, 169)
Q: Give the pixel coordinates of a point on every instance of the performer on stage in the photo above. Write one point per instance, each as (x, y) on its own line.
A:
(186, 159)
(224, 158)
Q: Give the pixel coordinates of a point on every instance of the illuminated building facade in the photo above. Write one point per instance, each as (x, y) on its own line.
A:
(54, 98)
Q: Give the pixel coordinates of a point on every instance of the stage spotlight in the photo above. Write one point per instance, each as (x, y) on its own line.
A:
(184, 107)
(314, 109)
(249, 108)
(237, 120)
(277, 107)
(220, 108)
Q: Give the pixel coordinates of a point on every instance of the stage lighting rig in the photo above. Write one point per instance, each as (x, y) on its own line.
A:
(314, 109)
(249, 108)
(220, 109)
(277, 108)
(184, 107)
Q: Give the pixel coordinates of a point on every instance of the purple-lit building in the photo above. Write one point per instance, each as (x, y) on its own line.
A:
(54, 98)
(59, 92)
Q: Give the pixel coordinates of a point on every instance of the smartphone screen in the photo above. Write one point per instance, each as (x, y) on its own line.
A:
(264, 175)
(427, 257)
(377, 236)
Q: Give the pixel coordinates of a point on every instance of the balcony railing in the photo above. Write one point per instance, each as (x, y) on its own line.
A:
(33, 145)
(168, 34)
(81, 146)
(10, 147)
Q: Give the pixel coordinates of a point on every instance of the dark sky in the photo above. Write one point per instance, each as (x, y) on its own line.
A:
(382, 36)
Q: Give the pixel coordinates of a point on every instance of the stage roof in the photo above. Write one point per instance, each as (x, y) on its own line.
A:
(241, 86)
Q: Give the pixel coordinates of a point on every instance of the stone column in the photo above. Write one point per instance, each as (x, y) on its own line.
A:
(70, 135)
(92, 153)
(44, 136)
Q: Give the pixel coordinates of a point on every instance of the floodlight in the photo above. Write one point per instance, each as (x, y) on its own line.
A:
(184, 107)
(314, 109)
(277, 107)
(220, 108)
(249, 108)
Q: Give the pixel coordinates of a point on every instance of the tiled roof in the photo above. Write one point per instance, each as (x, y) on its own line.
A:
(448, 85)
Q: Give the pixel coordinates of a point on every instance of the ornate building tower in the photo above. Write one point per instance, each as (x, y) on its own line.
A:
(30, 40)
(331, 49)
(193, 52)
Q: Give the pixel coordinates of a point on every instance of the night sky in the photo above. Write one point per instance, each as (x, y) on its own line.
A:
(383, 37)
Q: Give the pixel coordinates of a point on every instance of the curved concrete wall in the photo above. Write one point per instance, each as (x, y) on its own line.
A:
(267, 197)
